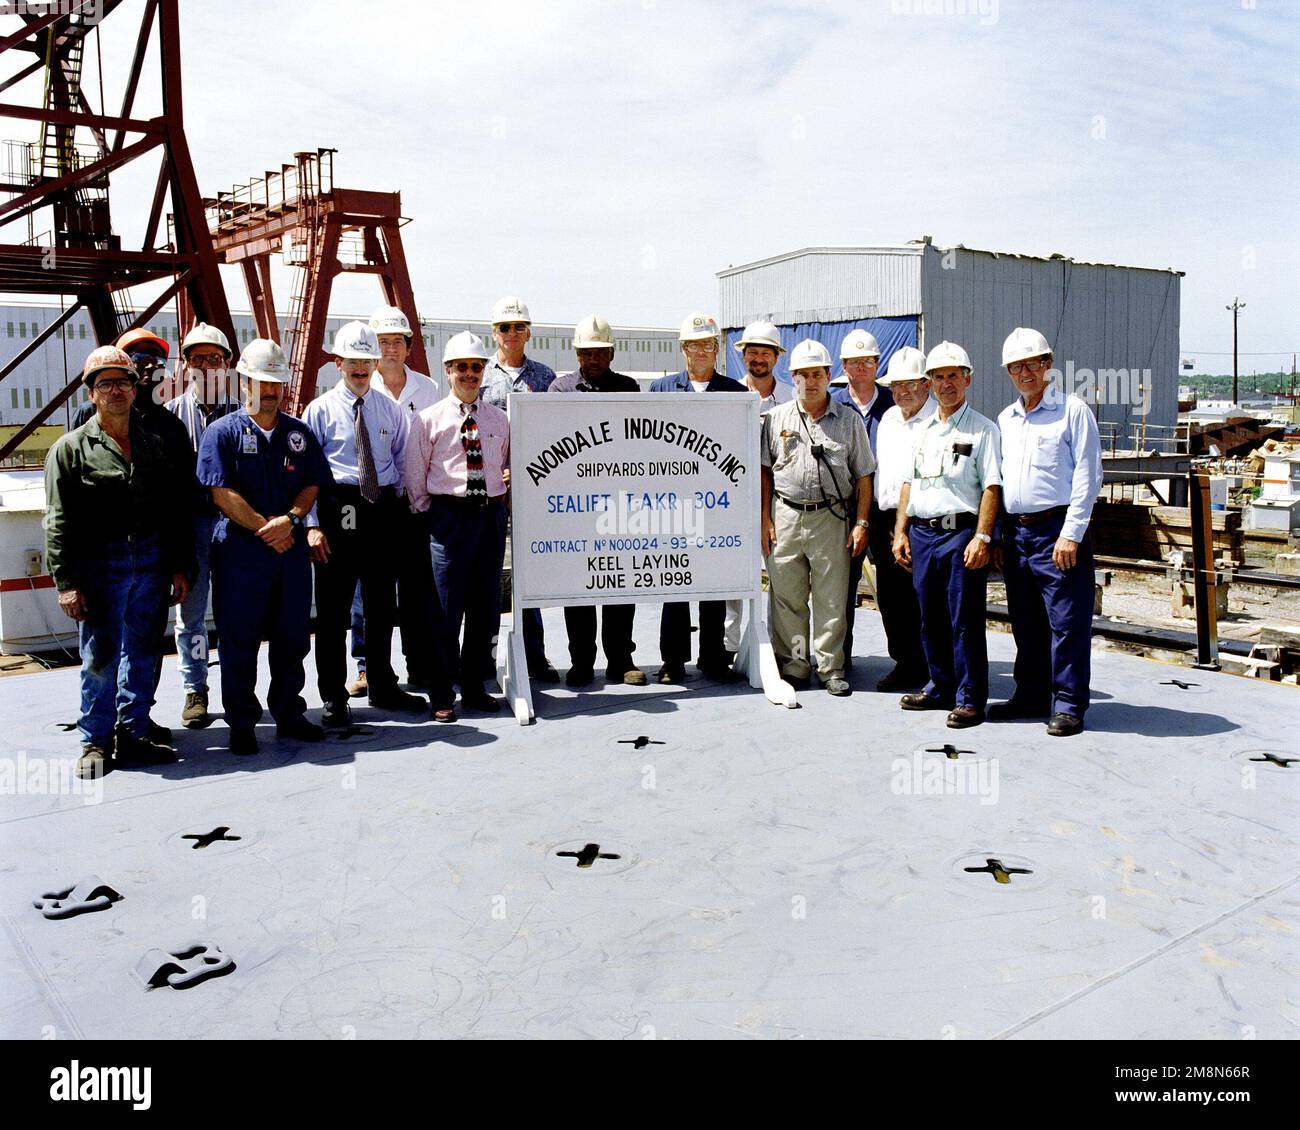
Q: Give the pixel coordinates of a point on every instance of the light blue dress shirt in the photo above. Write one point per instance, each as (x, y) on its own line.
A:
(1051, 457)
(956, 459)
(331, 420)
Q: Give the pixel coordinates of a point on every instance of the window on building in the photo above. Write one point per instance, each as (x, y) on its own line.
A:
(22, 329)
(11, 329)
(13, 398)
(27, 398)
(40, 398)
(82, 334)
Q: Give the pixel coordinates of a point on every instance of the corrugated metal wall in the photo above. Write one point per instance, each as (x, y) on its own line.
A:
(1100, 320)
(823, 285)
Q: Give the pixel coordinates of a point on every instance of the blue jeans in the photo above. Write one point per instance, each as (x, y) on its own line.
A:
(192, 616)
(120, 642)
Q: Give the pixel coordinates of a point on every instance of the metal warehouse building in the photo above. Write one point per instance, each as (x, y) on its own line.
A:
(1114, 329)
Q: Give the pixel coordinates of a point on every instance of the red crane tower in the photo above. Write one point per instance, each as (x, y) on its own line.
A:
(80, 256)
(325, 231)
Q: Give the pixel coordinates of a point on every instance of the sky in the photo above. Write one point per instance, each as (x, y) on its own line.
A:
(613, 156)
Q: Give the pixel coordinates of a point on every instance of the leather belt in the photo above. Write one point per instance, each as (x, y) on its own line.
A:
(806, 507)
(1039, 517)
(958, 521)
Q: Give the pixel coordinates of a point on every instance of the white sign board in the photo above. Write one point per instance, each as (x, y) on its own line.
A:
(629, 497)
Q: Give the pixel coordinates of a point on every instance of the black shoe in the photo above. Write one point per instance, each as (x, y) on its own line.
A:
(729, 658)
(579, 677)
(93, 763)
(900, 680)
(479, 699)
(720, 673)
(670, 675)
(398, 700)
(157, 734)
(923, 701)
(243, 741)
(142, 751)
(1063, 725)
(963, 716)
(544, 672)
(800, 683)
(299, 730)
(337, 715)
(1017, 708)
(420, 680)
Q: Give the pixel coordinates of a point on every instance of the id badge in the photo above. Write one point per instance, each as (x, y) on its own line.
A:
(250, 444)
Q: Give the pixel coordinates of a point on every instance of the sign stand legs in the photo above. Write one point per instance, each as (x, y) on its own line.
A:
(512, 668)
(757, 660)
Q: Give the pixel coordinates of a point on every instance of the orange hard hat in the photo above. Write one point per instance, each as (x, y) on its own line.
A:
(138, 337)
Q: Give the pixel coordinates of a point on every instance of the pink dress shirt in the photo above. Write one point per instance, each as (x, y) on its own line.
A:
(435, 456)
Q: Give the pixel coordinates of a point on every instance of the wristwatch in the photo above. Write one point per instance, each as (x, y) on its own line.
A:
(294, 520)
(985, 538)
(861, 522)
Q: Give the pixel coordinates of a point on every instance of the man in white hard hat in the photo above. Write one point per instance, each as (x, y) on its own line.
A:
(1051, 471)
(699, 342)
(456, 473)
(509, 370)
(947, 512)
(413, 392)
(895, 448)
(117, 557)
(210, 380)
(860, 356)
(817, 468)
(264, 469)
(353, 530)
(593, 342)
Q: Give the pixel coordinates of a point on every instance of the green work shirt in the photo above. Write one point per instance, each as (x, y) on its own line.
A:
(788, 437)
(955, 460)
(93, 496)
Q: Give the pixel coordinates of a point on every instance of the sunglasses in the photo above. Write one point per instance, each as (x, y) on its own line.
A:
(512, 327)
(1037, 365)
(468, 366)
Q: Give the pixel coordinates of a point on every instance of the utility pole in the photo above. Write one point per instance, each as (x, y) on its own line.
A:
(1237, 305)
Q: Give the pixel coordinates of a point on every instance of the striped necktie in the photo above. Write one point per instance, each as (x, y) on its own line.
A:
(366, 474)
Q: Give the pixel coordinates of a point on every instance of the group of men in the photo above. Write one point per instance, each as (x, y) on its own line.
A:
(389, 500)
(936, 493)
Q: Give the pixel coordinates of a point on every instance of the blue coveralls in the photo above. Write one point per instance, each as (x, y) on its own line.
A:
(257, 593)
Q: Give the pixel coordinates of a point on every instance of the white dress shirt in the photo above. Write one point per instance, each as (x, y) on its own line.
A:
(895, 450)
(419, 392)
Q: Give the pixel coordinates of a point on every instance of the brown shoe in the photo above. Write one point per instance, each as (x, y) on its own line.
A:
(922, 701)
(359, 688)
(964, 716)
(93, 763)
(195, 716)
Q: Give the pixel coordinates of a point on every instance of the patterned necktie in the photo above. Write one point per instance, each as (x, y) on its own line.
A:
(475, 483)
(366, 474)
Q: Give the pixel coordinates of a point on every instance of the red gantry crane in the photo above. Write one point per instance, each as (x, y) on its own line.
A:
(324, 230)
(65, 175)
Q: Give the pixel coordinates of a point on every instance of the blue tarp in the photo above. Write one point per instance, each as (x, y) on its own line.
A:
(892, 333)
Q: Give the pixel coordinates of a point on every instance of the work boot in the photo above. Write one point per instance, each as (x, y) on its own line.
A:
(358, 688)
(195, 716)
(837, 686)
(337, 714)
(963, 716)
(299, 730)
(900, 680)
(243, 741)
(1064, 725)
(670, 675)
(720, 673)
(632, 677)
(93, 763)
(142, 751)
(544, 672)
(158, 733)
(923, 701)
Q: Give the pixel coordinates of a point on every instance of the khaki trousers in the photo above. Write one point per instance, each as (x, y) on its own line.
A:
(810, 561)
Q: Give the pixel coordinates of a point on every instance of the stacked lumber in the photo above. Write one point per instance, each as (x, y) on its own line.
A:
(1151, 533)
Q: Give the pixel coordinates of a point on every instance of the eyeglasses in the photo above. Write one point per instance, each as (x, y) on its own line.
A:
(468, 366)
(115, 384)
(1035, 365)
(207, 360)
(512, 327)
(700, 346)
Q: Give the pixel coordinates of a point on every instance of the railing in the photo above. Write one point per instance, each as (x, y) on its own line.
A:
(307, 179)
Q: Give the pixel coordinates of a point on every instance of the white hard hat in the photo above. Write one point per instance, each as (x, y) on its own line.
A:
(859, 344)
(204, 334)
(945, 355)
(356, 341)
(263, 360)
(390, 320)
(464, 346)
(1023, 343)
(106, 357)
(698, 327)
(510, 309)
(905, 364)
(593, 332)
(810, 354)
(761, 333)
